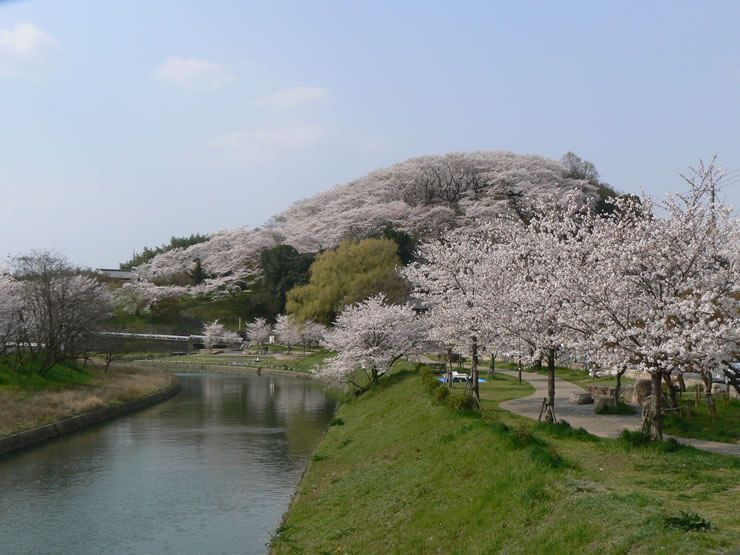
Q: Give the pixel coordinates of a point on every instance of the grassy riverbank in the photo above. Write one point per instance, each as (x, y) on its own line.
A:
(399, 473)
(29, 401)
(295, 362)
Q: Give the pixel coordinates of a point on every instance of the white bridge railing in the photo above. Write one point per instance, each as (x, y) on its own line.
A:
(157, 336)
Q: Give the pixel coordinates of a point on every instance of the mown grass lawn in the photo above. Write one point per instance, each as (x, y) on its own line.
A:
(582, 378)
(701, 426)
(402, 474)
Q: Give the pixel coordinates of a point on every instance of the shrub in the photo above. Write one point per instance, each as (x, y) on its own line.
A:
(668, 446)
(564, 430)
(687, 521)
(621, 408)
(460, 401)
(522, 435)
(429, 379)
(546, 457)
(441, 394)
(336, 421)
(633, 440)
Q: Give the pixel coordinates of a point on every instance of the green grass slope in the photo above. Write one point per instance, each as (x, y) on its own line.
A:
(398, 473)
(57, 378)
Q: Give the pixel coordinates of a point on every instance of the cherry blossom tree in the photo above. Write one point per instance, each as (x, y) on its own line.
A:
(10, 311)
(500, 284)
(658, 289)
(258, 331)
(59, 309)
(311, 333)
(370, 337)
(140, 295)
(286, 330)
(536, 294)
(457, 279)
(216, 334)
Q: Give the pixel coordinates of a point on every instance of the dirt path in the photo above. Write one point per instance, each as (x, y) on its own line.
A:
(583, 416)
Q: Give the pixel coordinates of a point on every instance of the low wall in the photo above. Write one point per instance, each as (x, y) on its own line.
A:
(68, 425)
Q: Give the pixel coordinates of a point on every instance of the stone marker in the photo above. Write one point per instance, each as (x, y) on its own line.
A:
(581, 398)
(643, 389)
(603, 402)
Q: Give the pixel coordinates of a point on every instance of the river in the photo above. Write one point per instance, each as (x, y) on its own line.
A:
(209, 471)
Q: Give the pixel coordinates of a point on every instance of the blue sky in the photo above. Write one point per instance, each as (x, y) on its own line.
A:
(125, 122)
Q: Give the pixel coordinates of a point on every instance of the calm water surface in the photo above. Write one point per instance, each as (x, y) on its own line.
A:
(209, 471)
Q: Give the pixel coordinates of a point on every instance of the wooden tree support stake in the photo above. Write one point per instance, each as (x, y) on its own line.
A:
(548, 410)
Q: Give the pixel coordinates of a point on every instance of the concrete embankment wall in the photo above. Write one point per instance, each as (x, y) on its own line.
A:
(68, 425)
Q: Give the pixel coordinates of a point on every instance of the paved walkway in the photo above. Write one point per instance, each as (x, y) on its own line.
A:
(583, 416)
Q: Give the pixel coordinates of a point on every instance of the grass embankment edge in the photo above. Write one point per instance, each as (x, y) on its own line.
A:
(68, 425)
(401, 473)
(237, 370)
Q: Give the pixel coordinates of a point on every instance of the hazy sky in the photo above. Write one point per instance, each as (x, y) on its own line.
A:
(124, 122)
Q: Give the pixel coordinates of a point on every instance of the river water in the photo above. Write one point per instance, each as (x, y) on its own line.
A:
(209, 471)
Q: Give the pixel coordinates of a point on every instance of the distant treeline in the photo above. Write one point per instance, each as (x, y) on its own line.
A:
(175, 243)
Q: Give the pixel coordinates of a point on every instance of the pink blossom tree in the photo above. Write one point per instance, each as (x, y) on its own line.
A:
(534, 301)
(311, 333)
(457, 279)
(286, 330)
(258, 331)
(658, 289)
(141, 295)
(369, 338)
(216, 334)
(59, 310)
(10, 311)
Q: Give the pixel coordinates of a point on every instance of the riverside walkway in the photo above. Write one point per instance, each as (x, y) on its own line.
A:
(583, 416)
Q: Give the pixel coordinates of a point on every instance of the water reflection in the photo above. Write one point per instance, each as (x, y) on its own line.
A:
(209, 471)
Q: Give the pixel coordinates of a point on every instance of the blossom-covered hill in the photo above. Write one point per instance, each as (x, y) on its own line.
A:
(421, 196)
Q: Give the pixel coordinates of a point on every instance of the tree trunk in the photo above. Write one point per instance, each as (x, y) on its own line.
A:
(550, 384)
(681, 383)
(711, 406)
(449, 367)
(520, 371)
(493, 365)
(620, 373)
(673, 390)
(657, 409)
(474, 373)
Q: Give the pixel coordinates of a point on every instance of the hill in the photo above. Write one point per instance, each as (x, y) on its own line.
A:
(422, 196)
